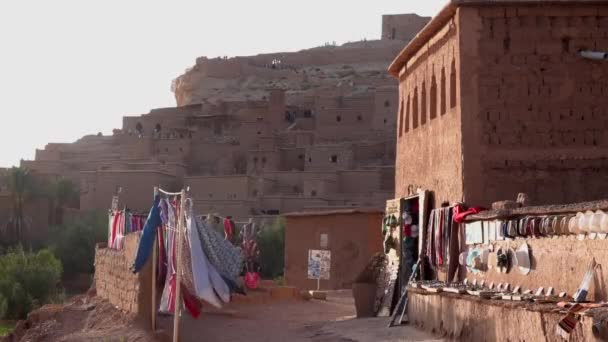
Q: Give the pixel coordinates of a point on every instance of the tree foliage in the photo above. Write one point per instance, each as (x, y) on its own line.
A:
(74, 241)
(21, 187)
(271, 243)
(27, 280)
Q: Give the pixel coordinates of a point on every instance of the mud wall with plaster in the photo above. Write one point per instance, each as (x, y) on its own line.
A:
(535, 111)
(469, 319)
(558, 262)
(115, 282)
(429, 152)
(352, 239)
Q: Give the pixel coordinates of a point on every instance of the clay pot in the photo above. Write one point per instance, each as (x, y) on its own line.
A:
(365, 296)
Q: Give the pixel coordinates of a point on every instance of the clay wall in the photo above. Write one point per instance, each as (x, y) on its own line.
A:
(288, 204)
(239, 210)
(219, 187)
(322, 188)
(304, 139)
(212, 159)
(559, 262)
(329, 157)
(263, 160)
(293, 182)
(536, 113)
(429, 152)
(343, 111)
(402, 26)
(115, 282)
(352, 239)
(359, 181)
(97, 188)
(386, 104)
(172, 150)
(292, 159)
(374, 153)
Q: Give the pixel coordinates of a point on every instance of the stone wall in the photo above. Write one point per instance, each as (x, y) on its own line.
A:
(535, 111)
(429, 152)
(116, 283)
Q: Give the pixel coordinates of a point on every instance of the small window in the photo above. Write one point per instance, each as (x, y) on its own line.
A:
(313, 193)
(166, 149)
(400, 119)
(263, 160)
(301, 157)
(415, 108)
(255, 159)
(255, 192)
(359, 118)
(334, 158)
(309, 160)
(433, 98)
(259, 132)
(453, 84)
(181, 149)
(338, 118)
(443, 93)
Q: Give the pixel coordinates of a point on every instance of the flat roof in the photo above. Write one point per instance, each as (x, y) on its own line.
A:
(335, 212)
(448, 11)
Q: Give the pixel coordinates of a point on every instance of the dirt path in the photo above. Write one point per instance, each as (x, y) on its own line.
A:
(294, 321)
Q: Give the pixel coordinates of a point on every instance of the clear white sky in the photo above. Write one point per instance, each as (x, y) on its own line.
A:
(75, 67)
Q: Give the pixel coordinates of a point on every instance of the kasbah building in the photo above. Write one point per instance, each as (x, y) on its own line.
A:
(494, 98)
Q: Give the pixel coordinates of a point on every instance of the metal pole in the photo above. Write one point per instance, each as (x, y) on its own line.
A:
(154, 263)
(178, 279)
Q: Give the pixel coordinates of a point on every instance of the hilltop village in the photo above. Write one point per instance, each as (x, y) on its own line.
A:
(259, 135)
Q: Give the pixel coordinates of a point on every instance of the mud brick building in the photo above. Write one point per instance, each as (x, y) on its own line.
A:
(495, 98)
(255, 135)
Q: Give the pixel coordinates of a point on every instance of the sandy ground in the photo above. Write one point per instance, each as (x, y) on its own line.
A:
(89, 318)
(294, 320)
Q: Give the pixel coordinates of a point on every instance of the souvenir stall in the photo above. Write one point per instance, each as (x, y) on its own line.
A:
(402, 245)
(541, 264)
(192, 262)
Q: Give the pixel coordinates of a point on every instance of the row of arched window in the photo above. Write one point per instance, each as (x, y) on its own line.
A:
(422, 103)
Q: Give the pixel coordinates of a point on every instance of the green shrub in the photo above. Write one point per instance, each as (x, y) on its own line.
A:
(27, 280)
(74, 242)
(271, 243)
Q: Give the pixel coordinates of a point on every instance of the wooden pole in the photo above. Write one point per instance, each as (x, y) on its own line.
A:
(178, 271)
(154, 263)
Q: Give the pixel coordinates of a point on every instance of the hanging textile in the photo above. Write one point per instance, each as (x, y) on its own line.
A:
(226, 258)
(167, 303)
(147, 238)
(440, 232)
(199, 264)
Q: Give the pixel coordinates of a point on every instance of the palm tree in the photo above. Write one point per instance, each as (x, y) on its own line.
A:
(20, 186)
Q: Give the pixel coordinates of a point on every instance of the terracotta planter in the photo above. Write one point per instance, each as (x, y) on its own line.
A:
(365, 295)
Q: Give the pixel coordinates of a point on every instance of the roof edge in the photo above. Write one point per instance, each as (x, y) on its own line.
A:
(448, 11)
(370, 210)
